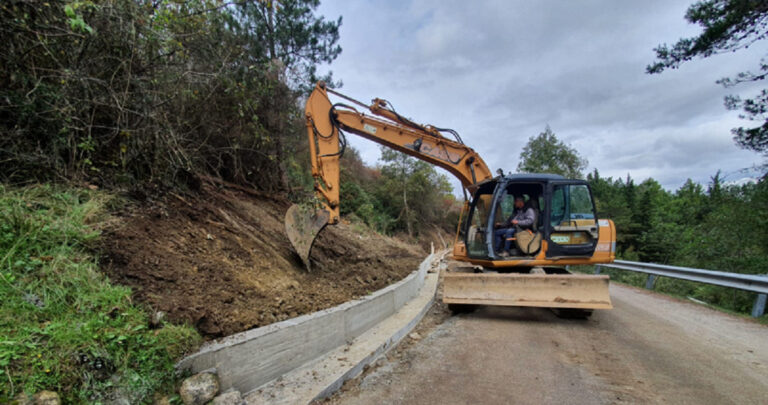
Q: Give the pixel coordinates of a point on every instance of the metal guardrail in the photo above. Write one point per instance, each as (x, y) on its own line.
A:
(747, 282)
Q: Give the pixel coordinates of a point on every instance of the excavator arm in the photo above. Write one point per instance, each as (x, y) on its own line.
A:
(325, 122)
(386, 127)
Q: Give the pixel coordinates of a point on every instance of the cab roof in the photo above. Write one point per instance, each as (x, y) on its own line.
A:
(533, 177)
(522, 178)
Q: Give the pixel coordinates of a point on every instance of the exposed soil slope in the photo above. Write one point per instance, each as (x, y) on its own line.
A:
(221, 261)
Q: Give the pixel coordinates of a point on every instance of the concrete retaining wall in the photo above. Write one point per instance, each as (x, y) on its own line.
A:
(250, 359)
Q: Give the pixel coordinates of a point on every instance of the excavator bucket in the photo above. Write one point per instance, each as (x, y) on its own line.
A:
(302, 226)
(576, 291)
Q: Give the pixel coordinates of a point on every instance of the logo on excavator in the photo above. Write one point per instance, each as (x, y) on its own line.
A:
(370, 129)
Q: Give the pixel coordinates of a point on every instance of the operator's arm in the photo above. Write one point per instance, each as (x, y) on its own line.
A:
(525, 218)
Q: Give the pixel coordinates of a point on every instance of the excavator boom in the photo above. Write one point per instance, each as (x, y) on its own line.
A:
(325, 121)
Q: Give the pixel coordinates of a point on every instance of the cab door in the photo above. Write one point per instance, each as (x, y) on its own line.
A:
(571, 228)
(478, 234)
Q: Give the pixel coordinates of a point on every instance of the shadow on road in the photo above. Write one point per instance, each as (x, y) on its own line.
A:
(522, 314)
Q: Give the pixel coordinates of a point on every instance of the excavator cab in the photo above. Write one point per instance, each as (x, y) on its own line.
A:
(566, 232)
(565, 225)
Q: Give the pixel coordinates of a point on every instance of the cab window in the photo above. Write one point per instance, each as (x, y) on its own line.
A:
(572, 216)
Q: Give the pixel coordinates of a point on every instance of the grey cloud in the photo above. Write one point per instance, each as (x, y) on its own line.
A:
(499, 71)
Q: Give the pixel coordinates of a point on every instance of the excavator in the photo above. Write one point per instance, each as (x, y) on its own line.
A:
(565, 230)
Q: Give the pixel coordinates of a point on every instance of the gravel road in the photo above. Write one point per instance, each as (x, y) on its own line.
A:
(648, 349)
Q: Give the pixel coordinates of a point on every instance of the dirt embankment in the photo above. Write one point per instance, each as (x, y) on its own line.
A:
(220, 260)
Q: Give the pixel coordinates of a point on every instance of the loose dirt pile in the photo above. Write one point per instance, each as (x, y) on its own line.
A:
(220, 260)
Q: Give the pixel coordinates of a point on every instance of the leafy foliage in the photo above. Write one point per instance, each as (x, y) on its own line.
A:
(722, 228)
(402, 195)
(412, 191)
(145, 91)
(728, 25)
(547, 154)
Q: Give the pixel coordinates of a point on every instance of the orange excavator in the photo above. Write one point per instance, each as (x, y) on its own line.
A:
(565, 229)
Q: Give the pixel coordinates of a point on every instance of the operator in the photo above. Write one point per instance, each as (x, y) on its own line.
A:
(520, 217)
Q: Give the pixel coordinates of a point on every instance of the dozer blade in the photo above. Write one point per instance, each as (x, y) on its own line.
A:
(302, 226)
(528, 290)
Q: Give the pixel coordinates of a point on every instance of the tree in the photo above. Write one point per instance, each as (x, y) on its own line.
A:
(413, 191)
(359, 184)
(547, 154)
(729, 25)
(289, 32)
(659, 233)
(691, 202)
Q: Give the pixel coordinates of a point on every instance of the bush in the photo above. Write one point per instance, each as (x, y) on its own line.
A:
(132, 91)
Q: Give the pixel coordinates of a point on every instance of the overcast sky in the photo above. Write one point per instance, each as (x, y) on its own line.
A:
(499, 71)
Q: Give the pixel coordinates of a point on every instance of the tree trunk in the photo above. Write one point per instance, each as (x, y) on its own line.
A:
(405, 204)
(271, 28)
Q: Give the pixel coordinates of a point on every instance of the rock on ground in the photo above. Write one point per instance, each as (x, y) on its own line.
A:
(46, 398)
(229, 398)
(199, 389)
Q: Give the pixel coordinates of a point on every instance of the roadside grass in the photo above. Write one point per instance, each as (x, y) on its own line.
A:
(63, 326)
(728, 300)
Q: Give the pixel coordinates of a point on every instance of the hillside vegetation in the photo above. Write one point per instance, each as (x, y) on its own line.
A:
(127, 92)
(130, 93)
(156, 145)
(63, 325)
(723, 227)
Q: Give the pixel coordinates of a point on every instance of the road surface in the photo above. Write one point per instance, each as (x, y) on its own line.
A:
(648, 349)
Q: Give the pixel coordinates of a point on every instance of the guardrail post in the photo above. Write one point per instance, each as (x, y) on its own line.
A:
(759, 308)
(597, 269)
(650, 281)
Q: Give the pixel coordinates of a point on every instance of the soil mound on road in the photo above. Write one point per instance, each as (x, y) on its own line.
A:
(221, 261)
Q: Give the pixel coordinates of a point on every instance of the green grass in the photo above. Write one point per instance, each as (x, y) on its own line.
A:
(59, 315)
